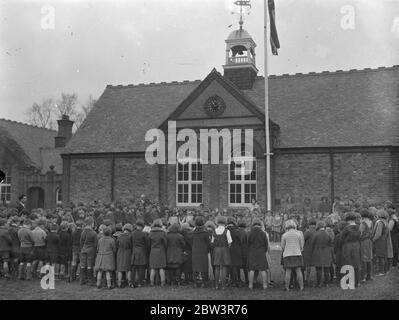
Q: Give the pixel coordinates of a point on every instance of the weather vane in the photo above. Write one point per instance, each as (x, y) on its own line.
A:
(242, 3)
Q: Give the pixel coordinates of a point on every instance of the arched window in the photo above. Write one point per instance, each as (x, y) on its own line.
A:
(58, 196)
(242, 178)
(189, 183)
(5, 189)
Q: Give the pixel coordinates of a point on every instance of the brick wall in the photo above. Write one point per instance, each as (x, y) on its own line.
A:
(134, 177)
(371, 176)
(90, 179)
(300, 176)
(363, 176)
(243, 78)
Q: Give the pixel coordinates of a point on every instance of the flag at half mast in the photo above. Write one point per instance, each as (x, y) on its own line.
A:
(274, 42)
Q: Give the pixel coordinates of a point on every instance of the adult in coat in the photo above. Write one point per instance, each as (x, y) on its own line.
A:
(257, 248)
(140, 244)
(350, 245)
(201, 245)
(235, 251)
(174, 252)
(307, 248)
(322, 250)
(124, 247)
(158, 244)
(105, 260)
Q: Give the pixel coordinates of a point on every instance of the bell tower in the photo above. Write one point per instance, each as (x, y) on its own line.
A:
(240, 66)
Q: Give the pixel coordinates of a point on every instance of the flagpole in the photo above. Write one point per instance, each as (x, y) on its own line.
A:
(268, 191)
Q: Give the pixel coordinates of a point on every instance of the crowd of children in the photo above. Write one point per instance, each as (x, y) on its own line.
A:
(140, 242)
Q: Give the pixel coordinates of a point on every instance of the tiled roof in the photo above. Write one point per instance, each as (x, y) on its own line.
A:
(31, 139)
(342, 108)
(334, 109)
(123, 114)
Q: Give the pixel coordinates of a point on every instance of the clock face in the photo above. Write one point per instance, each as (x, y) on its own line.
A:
(214, 106)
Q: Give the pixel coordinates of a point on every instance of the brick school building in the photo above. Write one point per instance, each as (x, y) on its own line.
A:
(333, 134)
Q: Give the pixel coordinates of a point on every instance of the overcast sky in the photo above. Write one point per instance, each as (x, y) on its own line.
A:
(95, 43)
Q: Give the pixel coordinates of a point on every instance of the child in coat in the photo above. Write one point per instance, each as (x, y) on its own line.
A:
(26, 242)
(65, 249)
(105, 260)
(174, 252)
(124, 254)
(257, 248)
(88, 243)
(201, 243)
(158, 245)
(5, 246)
(39, 248)
(140, 243)
(52, 247)
(76, 234)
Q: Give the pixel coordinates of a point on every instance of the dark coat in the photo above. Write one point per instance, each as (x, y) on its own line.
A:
(76, 239)
(158, 245)
(235, 248)
(366, 245)
(106, 249)
(88, 241)
(5, 239)
(15, 246)
(322, 249)
(65, 245)
(187, 256)
(53, 242)
(175, 248)
(381, 244)
(201, 245)
(124, 247)
(244, 246)
(350, 246)
(257, 247)
(140, 247)
(307, 248)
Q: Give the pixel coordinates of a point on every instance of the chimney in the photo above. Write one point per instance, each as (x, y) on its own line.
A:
(64, 131)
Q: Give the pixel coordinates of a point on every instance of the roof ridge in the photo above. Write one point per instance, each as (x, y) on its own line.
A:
(152, 84)
(27, 124)
(322, 73)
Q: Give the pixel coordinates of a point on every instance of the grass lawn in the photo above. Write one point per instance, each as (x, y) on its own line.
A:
(386, 287)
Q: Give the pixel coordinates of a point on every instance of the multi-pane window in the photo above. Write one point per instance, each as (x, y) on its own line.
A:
(58, 196)
(189, 183)
(5, 189)
(242, 179)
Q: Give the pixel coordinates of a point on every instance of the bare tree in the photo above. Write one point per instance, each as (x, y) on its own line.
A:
(41, 115)
(85, 109)
(66, 106)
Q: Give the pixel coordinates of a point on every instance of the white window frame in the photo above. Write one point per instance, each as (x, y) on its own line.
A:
(7, 182)
(189, 182)
(57, 195)
(242, 182)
